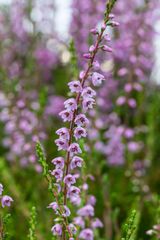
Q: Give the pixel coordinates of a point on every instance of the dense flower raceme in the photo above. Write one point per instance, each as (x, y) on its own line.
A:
(66, 172)
(6, 200)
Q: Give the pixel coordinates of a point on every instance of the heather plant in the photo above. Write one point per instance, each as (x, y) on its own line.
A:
(103, 181)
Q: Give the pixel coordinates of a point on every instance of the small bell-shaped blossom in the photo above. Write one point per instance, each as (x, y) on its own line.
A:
(75, 86)
(96, 65)
(58, 162)
(72, 228)
(73, 192)
(66, 115)
(106, 48)
(58, 174)
(79, 221)
(54, 206)
(61, 143)
(69, 180)
(121, 100)
(63, 133)
(87, 55)
(86, 234)
(132, 102)
(79, 132)
(76, 162)
(114, 24)
(97, 223)
(86, 211)
(97, 79)
(88, 104)
(66, 212)
(6, 201)
(92, 48)
(57, 230)
(81, 120)
(70, 104)
(88, 92)
(74, 148)
(94, 31)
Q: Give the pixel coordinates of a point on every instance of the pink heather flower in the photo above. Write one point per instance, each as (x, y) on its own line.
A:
(86, 234)
(133, 146)
(111, 16)
(66, 115)
(92, 48)
(1, 189)
(114, 24)
(79, 221)
(70, 104)
(122, 72)
(73, 192)
(96, 65)
(138, 87)
(81, 120)
(57, 230)
(87, 55)
(79, 132)
(103, 26)
(6, 201)
(63, 133)
(54, 206)
(129, 133)
(128, 87)
(121, 100)
(107, 38)
(88, 92)
(72, 229)
(76, 162)
(94, 31)
(81, 74)
(97, 79)
(97, 223)
(75, 86)
(88, 103)
(69, 180)
(132, 103)
(86, 211)
(107, 49)
(67, 212)
(62, 144)
(91, 200)
(74, 148)
(58, 174)
(58, 162)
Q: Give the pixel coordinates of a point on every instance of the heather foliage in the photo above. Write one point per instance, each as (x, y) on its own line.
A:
(79, 118)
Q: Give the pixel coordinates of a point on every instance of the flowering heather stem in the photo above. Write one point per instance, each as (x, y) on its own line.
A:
(65, 180)
(86, 74)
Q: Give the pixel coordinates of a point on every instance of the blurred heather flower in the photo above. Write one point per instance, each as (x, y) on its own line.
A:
(86, 234)
(57, 229)
(6, 201)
